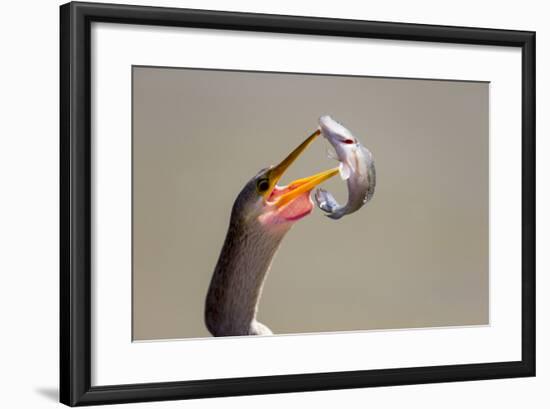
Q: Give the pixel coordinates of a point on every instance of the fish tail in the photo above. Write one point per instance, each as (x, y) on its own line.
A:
(326, 202)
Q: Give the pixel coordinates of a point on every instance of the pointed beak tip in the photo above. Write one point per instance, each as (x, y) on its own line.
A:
(277, 172)
(299, 186)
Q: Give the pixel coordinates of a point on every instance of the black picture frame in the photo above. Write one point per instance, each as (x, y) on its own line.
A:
(75, 203)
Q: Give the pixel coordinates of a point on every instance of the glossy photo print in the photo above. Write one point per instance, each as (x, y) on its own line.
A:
(291, 203)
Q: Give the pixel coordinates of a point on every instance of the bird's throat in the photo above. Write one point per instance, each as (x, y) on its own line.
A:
(238, 279)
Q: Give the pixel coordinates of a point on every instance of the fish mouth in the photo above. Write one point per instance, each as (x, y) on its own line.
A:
(335, 130)
(293, 201)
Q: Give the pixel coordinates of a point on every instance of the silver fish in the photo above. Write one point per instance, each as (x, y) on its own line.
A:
(356, 167)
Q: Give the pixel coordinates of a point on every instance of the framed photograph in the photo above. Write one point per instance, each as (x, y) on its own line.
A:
(257, 204)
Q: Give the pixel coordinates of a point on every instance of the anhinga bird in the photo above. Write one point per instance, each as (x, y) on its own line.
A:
(261, 216)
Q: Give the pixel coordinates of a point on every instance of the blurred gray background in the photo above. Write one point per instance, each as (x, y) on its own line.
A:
(416, 256)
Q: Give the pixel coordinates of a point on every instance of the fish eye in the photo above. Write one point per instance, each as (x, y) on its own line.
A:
(262, 185)
(345, 139)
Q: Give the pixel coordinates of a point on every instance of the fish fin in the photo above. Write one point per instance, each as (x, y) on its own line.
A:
(331, 153)
(350, 164)
(345, 171)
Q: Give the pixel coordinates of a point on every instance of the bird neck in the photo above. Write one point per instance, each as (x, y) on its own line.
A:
(238, 279)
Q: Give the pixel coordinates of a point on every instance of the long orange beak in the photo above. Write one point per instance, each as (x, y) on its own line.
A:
(298, 186)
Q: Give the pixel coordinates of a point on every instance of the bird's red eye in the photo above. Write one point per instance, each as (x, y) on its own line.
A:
(349, 141)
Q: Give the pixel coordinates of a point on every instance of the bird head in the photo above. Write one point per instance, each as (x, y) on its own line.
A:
(264, 202)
